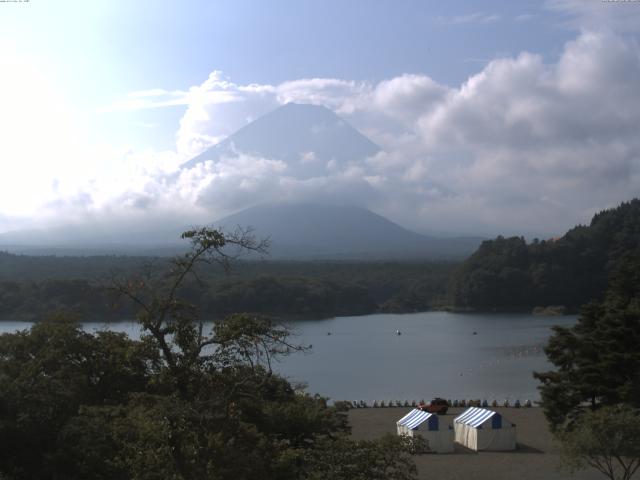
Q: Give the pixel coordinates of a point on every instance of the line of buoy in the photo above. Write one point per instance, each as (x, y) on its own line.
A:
(463, 403)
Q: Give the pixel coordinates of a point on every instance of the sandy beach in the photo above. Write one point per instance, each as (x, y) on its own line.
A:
(537, 455)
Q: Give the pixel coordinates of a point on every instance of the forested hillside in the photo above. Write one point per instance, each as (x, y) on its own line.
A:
(511, 274)
(33, 287)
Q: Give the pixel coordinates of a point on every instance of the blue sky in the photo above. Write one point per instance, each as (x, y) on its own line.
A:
(104, 94)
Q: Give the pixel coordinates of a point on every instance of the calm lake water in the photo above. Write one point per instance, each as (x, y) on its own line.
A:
(437, 354)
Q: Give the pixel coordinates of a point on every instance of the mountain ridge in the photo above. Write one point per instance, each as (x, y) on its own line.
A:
(314, 230)
(305, 136)
(312, 141)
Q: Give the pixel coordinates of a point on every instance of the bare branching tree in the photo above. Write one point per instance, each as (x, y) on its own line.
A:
(174, 324)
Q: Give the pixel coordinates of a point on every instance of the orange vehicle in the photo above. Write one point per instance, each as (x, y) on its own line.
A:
(437, 405)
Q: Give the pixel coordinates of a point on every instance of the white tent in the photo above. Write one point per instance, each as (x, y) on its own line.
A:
(481, 429)
(439, 439)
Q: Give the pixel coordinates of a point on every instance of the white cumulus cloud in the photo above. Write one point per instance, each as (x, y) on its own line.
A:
(522, 146)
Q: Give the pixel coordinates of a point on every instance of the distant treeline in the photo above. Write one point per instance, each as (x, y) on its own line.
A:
(505, 274)
(511, 274)
(51, 267)
(33, 287)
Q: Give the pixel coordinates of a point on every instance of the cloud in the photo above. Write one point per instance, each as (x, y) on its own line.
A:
(521, 139)
(476, 17)
(522, 146)
(217, 108)
(148, 99)
(378, 109)
(407, 97)
(525, 17)
(616, 15)
(527, 133)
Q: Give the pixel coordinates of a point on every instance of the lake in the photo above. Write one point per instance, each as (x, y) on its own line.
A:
(436, 354)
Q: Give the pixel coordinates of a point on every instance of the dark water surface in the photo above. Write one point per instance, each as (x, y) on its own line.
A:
(436, 354)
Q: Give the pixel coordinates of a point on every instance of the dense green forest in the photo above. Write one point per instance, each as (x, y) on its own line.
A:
(32, 287)
(511, 274)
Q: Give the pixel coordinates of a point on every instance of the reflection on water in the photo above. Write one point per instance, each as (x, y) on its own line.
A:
(488, 356)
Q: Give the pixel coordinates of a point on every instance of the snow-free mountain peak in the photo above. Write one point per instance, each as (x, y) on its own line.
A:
(310, 139)
(310, 230)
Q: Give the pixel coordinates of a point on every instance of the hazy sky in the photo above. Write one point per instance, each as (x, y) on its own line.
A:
(494, 117)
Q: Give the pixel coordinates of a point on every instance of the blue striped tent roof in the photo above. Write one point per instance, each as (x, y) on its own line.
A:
(474, 416)
(414, 418)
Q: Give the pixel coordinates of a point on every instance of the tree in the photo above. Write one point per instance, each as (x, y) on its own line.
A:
(172, 324)
(607, 439)
(345, 459)
(180, 403)
(50, 372)
(508, 273)
(597, 360)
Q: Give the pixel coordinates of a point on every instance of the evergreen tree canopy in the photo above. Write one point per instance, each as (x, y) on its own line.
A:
(511, 274)
(598, 360)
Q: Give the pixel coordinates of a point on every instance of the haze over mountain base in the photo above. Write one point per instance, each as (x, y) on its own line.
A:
(300, 231)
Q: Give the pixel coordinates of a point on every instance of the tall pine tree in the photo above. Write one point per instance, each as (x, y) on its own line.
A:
(597, 360)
